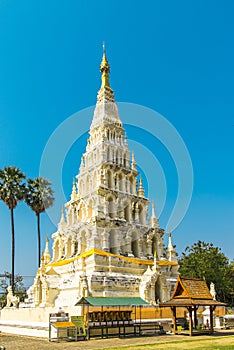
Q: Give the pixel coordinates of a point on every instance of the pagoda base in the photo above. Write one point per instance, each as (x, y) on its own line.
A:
(36, 316)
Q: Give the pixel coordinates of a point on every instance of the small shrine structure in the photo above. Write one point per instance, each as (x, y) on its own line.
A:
(190, 294)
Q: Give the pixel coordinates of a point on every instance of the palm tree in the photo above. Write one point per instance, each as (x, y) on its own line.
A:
(12, 190)
(39, 197)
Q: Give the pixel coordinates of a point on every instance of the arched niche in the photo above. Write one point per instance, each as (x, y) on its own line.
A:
(135, 244)
(69, 247)
(88, 183)
(158, 290)
(82, 212)
(109, 179)
(90, 209)
(141, 215)
(95, 179)
(111, 207)
(132, 185)
(121, 182)
(82, 242)
(114, 242)
(127, 212)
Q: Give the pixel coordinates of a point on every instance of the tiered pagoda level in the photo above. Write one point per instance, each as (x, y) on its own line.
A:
(106, 246)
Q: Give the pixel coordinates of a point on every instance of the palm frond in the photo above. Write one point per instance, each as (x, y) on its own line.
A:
(39, 194)
(12, 187)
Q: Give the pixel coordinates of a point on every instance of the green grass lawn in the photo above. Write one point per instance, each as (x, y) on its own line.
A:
(224, 343)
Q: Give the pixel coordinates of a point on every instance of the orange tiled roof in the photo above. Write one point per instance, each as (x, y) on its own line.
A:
(190, 292)
(191, 288)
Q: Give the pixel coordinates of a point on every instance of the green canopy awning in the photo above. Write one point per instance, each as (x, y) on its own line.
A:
(105, 301)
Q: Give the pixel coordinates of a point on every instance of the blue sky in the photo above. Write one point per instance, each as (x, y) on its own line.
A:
(175, 57)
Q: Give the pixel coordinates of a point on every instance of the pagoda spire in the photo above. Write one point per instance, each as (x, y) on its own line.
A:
(42, 267)
(62, 221)
(141, 191)
(105, 93)
(153, 218)
(47, 251)
(105, 69)
(106, 110)
(171, 254)
(74, 193)
(133, 164)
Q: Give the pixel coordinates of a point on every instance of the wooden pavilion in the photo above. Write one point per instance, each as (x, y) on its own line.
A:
(190, 294)
(111, 316)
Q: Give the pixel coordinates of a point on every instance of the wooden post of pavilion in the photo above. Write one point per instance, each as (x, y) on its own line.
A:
(212, 308)
(173, 309)
(190, 310)
(195, 316)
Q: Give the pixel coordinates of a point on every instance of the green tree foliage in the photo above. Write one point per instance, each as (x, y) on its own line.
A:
(12, 190)
(203, 260)
(20, 290)
(39, 197)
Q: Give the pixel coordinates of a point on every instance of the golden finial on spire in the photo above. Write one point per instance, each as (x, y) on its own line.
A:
(141, 191)
(104, 64)
(105, 93)
(104, 68)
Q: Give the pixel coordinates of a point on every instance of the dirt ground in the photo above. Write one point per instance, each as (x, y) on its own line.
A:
(16, 342)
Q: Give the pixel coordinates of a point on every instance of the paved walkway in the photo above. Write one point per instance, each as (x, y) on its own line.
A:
(14, 342)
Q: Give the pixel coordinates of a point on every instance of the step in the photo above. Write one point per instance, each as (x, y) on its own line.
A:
(31, 329)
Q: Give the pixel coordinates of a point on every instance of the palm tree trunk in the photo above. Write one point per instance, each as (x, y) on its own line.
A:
(12, 250)
(39, 239)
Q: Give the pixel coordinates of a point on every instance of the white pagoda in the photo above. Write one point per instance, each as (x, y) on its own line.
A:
(105, 245)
